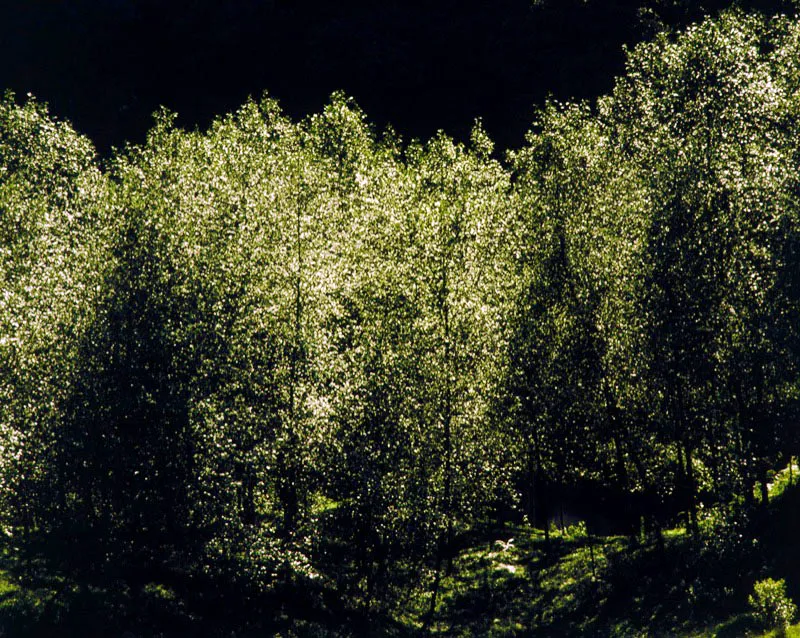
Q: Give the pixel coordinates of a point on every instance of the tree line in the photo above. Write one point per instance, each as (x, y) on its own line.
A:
(275, 355)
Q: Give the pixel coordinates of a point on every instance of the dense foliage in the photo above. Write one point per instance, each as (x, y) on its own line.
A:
(277, 357)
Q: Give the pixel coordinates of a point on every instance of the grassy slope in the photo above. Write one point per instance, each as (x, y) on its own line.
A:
(588, 587)
(505, 582)
(582, 586)
(573, 586)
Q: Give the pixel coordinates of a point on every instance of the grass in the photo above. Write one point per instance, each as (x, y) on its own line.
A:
(505, 581)
(517, 583)
(514, 583)
(745, 626)
(788, 476)
(509, 581)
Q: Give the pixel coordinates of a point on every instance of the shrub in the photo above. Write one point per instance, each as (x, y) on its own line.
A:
(771, 606)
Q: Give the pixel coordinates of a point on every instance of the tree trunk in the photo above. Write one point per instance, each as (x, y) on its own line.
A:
(691, 496)
(437, 576)
(764, 487)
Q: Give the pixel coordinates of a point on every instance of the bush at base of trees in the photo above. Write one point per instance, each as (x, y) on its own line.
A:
(770, 604)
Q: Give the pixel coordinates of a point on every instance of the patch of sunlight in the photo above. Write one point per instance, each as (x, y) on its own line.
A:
(321, 504)
(566, 583)
(789, 632)
(677, 532)
(6, 586)
(511, 569)
(782, 479)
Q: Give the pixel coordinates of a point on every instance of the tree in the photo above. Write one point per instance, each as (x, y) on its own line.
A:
(700, 116)
(572, 399)
(460, 229)
(54, 203)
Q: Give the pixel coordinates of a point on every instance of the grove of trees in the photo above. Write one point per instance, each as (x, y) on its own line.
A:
(274, 357)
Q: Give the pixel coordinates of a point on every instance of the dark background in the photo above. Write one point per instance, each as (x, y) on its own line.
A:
(106, 65)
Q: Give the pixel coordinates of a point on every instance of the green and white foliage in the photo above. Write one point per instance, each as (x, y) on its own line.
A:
(461, 236)
(274, 352)
(701, 116)
(373, 364)
(770, 604)
(413, 338)
(575, 335)
(54, 248)
(653, 337)
(245, 205)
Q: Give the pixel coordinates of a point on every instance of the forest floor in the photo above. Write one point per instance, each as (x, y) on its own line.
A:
(516, 583)
(506, 581)
(577, 585)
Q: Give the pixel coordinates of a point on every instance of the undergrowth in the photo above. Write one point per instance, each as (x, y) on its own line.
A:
(506, 581)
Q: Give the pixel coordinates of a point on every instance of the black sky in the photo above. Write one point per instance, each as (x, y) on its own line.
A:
(106, 65)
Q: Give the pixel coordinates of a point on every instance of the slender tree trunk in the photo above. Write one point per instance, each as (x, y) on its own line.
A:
(684, 434)
(530, 488)
(434, 591)
(445, 539)
(691, 495)
(289, 477)
(747, 483)
(646, 506)
(541, 490)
